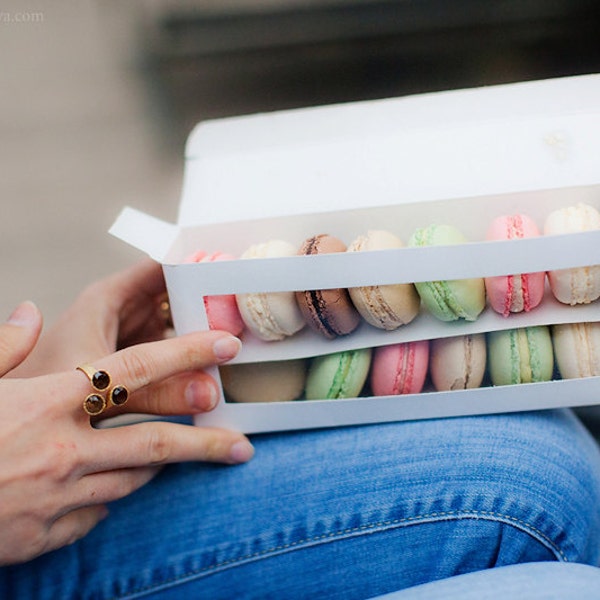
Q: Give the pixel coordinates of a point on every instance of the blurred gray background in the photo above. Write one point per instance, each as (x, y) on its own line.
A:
(97, 97)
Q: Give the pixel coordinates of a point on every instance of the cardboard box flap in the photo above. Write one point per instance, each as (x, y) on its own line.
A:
(147, 233)
(501, 139)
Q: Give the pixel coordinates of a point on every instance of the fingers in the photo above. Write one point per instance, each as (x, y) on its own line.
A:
(179, 395)
(154, 362)
(19, 335)
(73, 526)
(158, 443)
(107, 486)
(145, 278)
(87, 508)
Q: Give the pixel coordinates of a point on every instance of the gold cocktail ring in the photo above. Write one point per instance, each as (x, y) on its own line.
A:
(103, 395)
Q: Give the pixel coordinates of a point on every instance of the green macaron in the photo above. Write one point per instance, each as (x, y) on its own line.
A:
(338, 375)
(522, 355)
(449, 300)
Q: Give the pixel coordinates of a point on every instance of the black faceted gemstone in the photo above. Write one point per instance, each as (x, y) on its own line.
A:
(119, 395)
(100, 380)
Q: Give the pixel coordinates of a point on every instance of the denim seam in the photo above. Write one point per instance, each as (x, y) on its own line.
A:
(443, 515)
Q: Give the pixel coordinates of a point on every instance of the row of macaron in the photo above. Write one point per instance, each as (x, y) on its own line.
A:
(337, 312)
(514, 356)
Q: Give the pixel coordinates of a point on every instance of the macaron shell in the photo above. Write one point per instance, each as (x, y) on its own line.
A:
(514, 293)
(338, 375)
(221, 311)
(458, 363)
(577, 349)
(387, 306)
(275, 315)
(453, 300)
(330, 312)
(523, 355)
(278, 381)
(449, 300)
(399, 368)
(580, 285)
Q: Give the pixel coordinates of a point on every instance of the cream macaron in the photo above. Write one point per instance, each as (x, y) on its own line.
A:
(458, 362)
(384, 306)
(275, 315)
(580, 285)
(577, 349)
(274, 381)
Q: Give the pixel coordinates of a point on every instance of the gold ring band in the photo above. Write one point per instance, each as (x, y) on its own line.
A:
(104, 395)
(164, 308)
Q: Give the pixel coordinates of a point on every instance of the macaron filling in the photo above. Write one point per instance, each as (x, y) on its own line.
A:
(469, 360)
(341, 377)
(404, 370)
(320, 308)
(523, 358)
(527, 362)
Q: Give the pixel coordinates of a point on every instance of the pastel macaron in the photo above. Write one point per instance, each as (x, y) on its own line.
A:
(276, 381)
(458, 362)
(384, 306)
(275, 315)
(523, 355)
(222, 310)
(514, 293)
(330, 312)
(449, 300)
(399, 368)
(338, 375)
(579, 285)
(577, 349)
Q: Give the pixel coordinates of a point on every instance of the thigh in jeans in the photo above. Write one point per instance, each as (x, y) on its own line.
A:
(347, 513)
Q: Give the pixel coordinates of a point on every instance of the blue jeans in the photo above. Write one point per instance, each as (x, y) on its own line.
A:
(530, 581)
(347, 513)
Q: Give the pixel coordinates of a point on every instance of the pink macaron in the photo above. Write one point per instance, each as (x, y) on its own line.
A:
(221, 311)
(399, 368)
(514, 293)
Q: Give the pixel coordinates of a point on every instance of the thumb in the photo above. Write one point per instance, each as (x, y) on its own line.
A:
(19, 335)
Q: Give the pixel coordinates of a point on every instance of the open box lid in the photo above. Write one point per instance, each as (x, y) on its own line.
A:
(503, 139)
(492, 140)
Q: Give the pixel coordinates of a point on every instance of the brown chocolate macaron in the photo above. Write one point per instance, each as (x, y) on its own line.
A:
(329, 312)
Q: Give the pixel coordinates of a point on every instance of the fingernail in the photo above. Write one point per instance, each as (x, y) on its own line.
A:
(201, 395)
(25, 315)
(226, 348)
(241, 452)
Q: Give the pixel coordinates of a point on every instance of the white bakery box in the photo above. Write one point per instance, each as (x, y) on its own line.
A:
(459, 157)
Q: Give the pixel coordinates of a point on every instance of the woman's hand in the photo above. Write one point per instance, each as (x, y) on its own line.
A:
(57, 472)
(112, 313)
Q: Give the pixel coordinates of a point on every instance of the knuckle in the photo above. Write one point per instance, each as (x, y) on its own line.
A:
(11, 351)
(62, 460)
(139, 367)
(36, 540)
(6, 345)
(158, 446)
